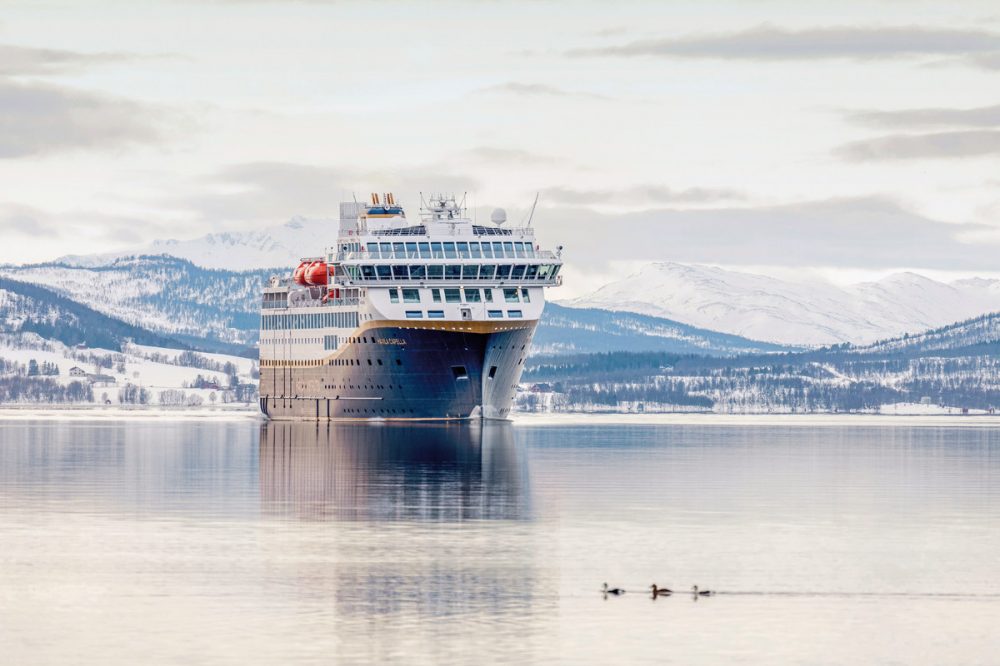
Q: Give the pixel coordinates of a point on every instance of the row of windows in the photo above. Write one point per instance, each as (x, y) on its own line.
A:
(452, 271)
(471, 294)
(439, 314)
(310, 320)
(449, 250)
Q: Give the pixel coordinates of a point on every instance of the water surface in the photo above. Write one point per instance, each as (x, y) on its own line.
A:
(236, 543)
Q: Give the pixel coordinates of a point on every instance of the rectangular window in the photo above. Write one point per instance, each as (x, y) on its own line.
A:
(463, 250)
(488, 295)
(386, 249)
(503, 272)
(531, 273)
(400, 272)
(514, 314)
(373, 249)
(435, 272)
(413, 295)
(518, 249)
(452, 296)
(493, 371)
(487, 271)
(495, 314)
(449, 250)
(517, 273)
(543, 271)
(436, 295)
(525, 297)
(472, 296)
(411, 250)
(510, 295)
(394, 295)
(487, 250)
(398, 251)
(470, 271)
(474, 249)
(418, 272)
(436, 250)
(329, 342)
(367, 272)
(384, 272)
(435, 314)
(425, 250)
(508, 249)
(452, 272)
(414, 314)
(497, 250)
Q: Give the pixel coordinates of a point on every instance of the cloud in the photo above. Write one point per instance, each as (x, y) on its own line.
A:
(37, 224)
(984, 116)
(967, 143)
(986, 60)
(540, 90)
(868, 233)
(509, 156)
(641, 193)
(38, 119)
(269, 191)
(767, 42)
(25, 60)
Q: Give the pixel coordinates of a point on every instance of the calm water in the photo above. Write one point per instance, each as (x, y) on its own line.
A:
(236, 543)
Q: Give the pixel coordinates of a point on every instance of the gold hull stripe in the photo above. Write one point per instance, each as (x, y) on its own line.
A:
(473, 327)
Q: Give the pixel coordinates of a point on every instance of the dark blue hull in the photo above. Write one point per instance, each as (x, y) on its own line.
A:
(402, 372)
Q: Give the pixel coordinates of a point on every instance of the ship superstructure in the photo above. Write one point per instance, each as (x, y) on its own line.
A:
(405, 320)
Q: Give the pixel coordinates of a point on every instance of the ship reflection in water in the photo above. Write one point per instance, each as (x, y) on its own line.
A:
(423, 472)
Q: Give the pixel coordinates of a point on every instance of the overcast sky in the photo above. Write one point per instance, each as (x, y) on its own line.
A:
(843, 138)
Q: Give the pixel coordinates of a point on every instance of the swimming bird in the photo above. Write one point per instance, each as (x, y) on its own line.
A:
(614, 590)
(660, 591)
(701, 593)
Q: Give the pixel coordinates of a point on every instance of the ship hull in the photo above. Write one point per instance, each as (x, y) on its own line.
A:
(404, 373)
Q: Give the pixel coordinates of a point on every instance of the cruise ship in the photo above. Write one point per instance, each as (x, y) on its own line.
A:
(429, 319)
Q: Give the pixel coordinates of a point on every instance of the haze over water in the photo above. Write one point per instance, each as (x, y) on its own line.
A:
(236, 543)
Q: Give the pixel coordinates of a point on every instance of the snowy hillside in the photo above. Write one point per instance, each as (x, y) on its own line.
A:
(162, 294)
(807, 313)
(272, 247)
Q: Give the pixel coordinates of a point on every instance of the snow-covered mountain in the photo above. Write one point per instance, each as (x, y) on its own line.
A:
(805, 313)
(272, 247)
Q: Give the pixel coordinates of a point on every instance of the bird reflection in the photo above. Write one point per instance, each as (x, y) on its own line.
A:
(422, 472)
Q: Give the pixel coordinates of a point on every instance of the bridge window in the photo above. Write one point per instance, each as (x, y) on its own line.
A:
(425, 250)
(384, 272)
(411, 250)
(452, 272)
(487, 271)
(472, 296)
(487, 250)
(413, 295)
(373, 249)
(531, 272)
(386, 249)
(470, 271)
(463, 250)
(508, 249)
(400, 272)
(498, 250)
(418, 272)
(452, 296)
(503, 272)
(436, 250)
(435, 272)
(510, 295)
(449, 250)
(398, 251)
(518, 249)
(474, 248)
(517, 273)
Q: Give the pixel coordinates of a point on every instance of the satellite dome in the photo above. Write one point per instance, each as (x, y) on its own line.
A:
(498, 216)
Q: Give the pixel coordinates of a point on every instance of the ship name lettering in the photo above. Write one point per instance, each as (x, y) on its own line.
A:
(391, 341)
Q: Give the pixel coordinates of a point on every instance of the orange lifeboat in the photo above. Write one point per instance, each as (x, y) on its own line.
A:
(299, 275)
(315, 274)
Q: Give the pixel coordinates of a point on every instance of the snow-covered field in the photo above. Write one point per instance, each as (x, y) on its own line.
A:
(808, 420)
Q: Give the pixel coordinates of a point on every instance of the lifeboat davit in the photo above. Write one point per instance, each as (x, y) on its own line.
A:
(299, 275)
(315, 274)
